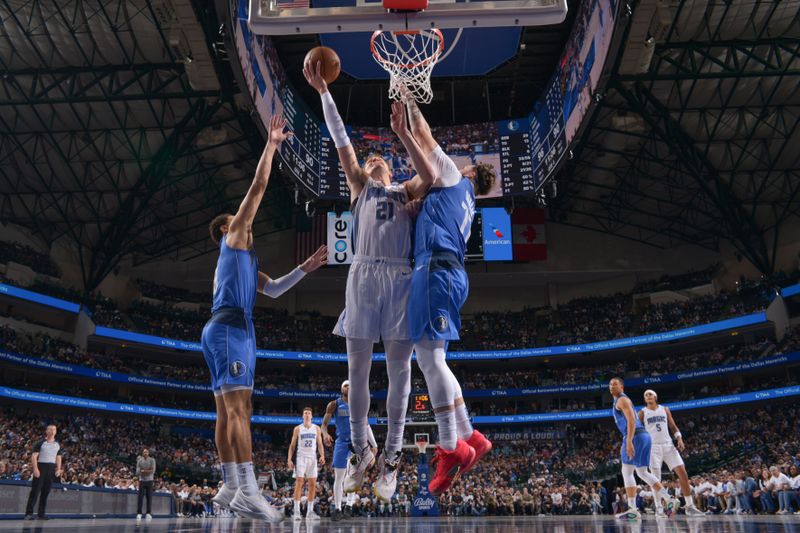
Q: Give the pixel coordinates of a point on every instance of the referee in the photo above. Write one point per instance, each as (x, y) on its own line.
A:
(46, 464)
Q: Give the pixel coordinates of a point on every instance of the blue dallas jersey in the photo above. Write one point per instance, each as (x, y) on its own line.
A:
(342, 420)
(235, 279)
(445, 221)
(621, 421)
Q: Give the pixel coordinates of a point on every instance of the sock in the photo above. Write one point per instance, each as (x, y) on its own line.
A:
(359, 362)
(338, 487)
(297, 505)
(247, 479)
(689, 501)
(463, 425)
(351, 499)
(229, 476)
(398, 368)
(446, 420)
(631, 504)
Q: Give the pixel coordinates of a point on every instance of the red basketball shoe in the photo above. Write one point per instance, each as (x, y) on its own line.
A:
(481, 445)
(448, 465)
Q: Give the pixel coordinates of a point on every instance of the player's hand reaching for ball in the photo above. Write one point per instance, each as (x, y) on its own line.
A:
(399, 124)
(277, 135)
(315, 260)
(629, 449)
(313, 74)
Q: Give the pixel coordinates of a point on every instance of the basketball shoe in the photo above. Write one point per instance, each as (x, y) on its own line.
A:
(387, 479)
(448, 465)
(481, 445)
(356, 468)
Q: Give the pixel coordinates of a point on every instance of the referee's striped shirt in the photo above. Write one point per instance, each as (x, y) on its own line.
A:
(47, 451)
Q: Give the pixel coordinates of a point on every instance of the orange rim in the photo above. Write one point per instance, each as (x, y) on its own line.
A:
(407, 32)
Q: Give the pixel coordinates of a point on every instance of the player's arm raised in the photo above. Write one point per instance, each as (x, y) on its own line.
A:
(676, 433)
(626, 407)
(347, 155)
(326, 420)
(417, 186)
(274, 288)
(320, 447)
(419, 127)
(292, 448)
(239, 230)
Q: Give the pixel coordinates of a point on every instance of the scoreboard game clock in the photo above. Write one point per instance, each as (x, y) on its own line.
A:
(421, 407)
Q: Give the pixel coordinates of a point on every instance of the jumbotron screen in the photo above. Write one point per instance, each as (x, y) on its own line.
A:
(524, 151)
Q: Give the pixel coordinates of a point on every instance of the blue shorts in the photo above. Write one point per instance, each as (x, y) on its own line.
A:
(435, 300)
(641, 450)
(341, 452)
(229, 348)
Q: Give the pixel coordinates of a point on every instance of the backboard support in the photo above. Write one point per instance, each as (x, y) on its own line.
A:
(267, 17)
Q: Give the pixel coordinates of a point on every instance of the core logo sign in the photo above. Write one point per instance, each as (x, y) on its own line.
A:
(340, 243)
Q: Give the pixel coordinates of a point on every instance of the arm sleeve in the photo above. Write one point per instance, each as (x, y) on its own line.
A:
(274, 288)
(37, 447)
(334, 121)
(60, 450)
(447, 173)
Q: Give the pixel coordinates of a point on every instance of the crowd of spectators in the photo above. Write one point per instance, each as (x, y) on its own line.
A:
(166, 293)
(558, 475)
(25, 255)
(676, 282)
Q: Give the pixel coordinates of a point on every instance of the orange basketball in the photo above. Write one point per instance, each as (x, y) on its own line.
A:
(330, 62)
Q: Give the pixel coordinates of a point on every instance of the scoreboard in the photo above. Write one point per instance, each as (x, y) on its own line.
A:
(421, 407)
(525, 151)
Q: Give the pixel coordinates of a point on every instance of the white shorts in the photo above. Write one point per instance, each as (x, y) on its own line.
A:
(305, 467)
(664, 453)
(376, 300)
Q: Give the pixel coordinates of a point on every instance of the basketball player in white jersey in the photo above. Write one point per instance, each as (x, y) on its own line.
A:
(657, 420)
(378, 281)
(307, 441)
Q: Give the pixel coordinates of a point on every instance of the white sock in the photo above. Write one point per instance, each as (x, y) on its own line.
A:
(463, 425)
(247, 479)
(229, 476)
(631, 504)
(398, 368)
(338, 487)
(448, 437)
(689, 501)
(359, 362)
(297, 506)
(351, 499)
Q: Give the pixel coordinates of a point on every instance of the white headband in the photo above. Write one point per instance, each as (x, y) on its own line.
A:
(651, 391)
(345, 383)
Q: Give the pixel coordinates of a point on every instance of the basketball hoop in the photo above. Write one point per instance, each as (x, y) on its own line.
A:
(422, 445)
(409, 57)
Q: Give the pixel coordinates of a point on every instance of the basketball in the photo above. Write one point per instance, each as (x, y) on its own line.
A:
(330, 62)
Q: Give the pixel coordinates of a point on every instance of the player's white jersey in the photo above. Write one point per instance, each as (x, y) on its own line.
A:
(307, 441)
(381, 225)
(655, 422)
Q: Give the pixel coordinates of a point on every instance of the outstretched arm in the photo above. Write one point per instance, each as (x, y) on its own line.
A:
(347, 156)
(239, 231)
(419, 127)
(417, 186)
(274, 288)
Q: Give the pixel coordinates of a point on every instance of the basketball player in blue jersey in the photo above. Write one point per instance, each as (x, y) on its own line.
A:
(439, 288)
(635, 454)
(339, 411)
(378, 282)
(228, 339)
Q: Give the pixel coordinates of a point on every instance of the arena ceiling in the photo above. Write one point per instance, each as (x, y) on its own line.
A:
(696, 137)
(123, 130)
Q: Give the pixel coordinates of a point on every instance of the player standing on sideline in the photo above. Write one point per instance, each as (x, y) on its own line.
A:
(339, 411)
(306, 441)
(377, 283)
(439, 288)
(635, 453)
(228, 339)
(658, 422)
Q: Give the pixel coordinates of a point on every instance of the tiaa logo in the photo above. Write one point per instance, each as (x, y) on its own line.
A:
(424, 504)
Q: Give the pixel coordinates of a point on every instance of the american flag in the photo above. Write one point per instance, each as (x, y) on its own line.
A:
(291, 4)
(311, 234)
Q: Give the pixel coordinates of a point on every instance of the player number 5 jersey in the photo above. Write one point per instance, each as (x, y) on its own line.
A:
(307, 441)
(655, 422)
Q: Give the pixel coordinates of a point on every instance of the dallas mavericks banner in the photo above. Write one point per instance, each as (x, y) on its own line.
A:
(49, 301)
(616, 344)
(70, 401)
(340, 238)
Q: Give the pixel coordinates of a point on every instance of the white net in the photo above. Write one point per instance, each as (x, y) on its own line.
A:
(409, 58)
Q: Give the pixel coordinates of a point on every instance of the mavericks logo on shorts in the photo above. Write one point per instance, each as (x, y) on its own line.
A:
(440, 323)
(237, 369)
